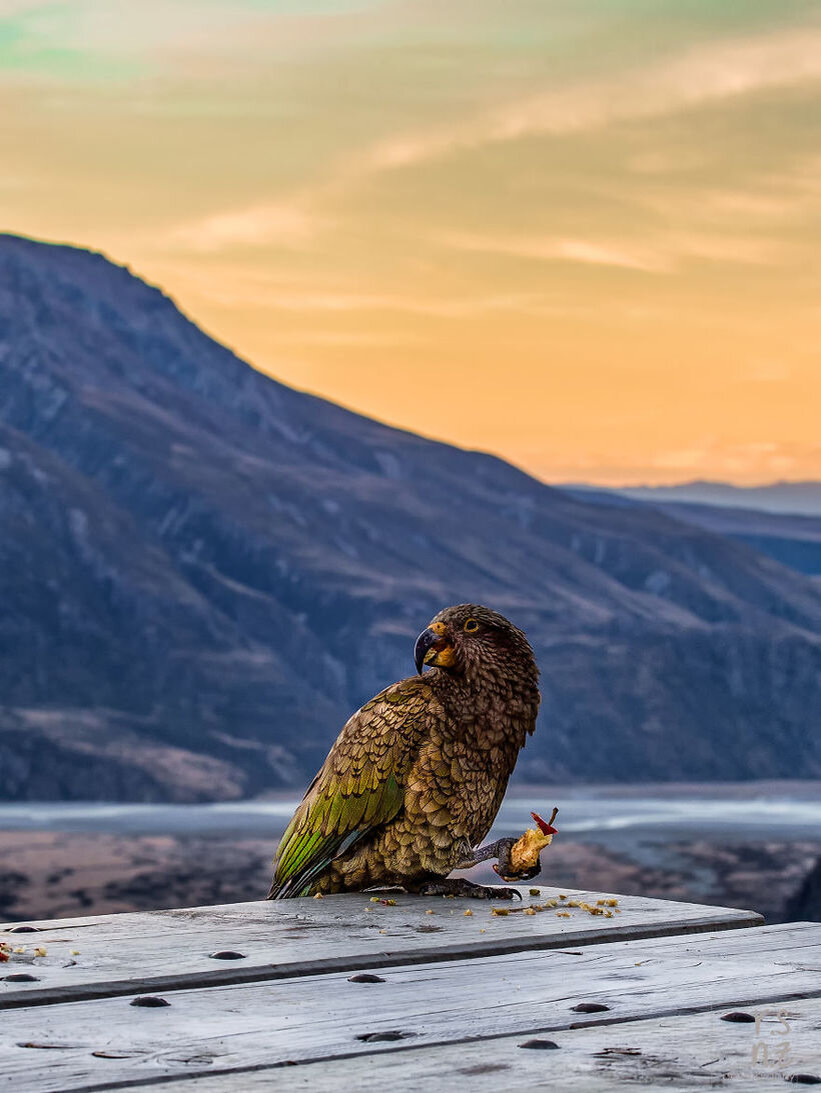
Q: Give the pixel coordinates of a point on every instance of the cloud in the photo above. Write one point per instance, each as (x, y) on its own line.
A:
(446, 308)
(193, 36)
(257, 225)
(773, 195)
(697, 77)
(588, 252)
(763, 460)
(122, 27)
(660, 253)
(235, 287)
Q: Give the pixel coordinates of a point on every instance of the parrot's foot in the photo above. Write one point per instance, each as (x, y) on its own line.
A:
(500, 850)
(504, 866)
(458, 886)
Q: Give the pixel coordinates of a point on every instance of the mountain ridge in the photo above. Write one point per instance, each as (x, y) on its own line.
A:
(788, 498)
(212, 570)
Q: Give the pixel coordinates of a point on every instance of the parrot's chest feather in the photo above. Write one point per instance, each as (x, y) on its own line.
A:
(458, 781)
(464, 778)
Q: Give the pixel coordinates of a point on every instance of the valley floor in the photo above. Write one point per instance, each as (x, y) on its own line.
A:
(53, 874)
(751, 845)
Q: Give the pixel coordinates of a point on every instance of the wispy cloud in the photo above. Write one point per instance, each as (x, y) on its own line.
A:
(329, 302)
(768, 459)
(586, 251)
(257, 225)
(654, 254)
(771, 194)
(697, 77)
(195, 35)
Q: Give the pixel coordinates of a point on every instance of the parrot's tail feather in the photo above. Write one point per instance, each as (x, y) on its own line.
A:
(285, 890)
(299, 883)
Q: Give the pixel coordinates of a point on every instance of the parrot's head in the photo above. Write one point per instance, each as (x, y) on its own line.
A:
(472, 640)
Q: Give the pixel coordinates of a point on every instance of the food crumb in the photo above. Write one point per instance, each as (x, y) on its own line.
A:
(499, 911)
(468, 913)
(562, 896)
(429, 912)
(318, 895)
(562, 914)
(74, 952)
(40, 951)
(535, 892)
(530, 910)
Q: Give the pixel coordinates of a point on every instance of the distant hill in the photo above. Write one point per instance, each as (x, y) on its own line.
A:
(795, 541)
(203, 572)
(796, 498)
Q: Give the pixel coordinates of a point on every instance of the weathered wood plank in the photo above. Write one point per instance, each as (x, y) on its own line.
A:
(688, 1053)
(89, 1045)
(168, 950)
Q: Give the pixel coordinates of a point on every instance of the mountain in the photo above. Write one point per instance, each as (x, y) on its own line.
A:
(203, 572)
(795, 541)
(796, 498)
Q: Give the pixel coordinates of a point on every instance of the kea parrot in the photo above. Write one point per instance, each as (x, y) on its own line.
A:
(415, 778)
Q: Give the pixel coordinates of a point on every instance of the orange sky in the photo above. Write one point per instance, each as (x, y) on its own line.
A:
(583, 235)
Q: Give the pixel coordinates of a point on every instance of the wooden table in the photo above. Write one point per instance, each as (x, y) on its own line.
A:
(345, 993)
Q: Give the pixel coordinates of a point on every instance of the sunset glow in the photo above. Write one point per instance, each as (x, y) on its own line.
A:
(582, 235)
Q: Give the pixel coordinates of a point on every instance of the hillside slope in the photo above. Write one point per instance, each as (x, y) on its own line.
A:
(203, 572)
(793, 540)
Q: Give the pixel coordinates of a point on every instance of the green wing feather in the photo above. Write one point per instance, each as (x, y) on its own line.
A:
(360, 787)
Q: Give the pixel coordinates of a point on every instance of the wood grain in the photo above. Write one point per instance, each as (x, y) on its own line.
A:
(686, 1053)
(169, 950)
(90, 1045)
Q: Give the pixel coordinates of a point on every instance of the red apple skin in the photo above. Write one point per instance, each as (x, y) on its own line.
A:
(544, 826)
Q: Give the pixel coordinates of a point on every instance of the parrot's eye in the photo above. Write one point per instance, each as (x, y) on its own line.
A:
(471, 625)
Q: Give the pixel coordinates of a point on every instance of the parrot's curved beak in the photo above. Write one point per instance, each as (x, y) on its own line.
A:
(433, 647)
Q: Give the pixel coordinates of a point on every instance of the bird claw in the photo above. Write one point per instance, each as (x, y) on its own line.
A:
(458, 886)
(525, 874)
(503, 866)
(504, 893)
